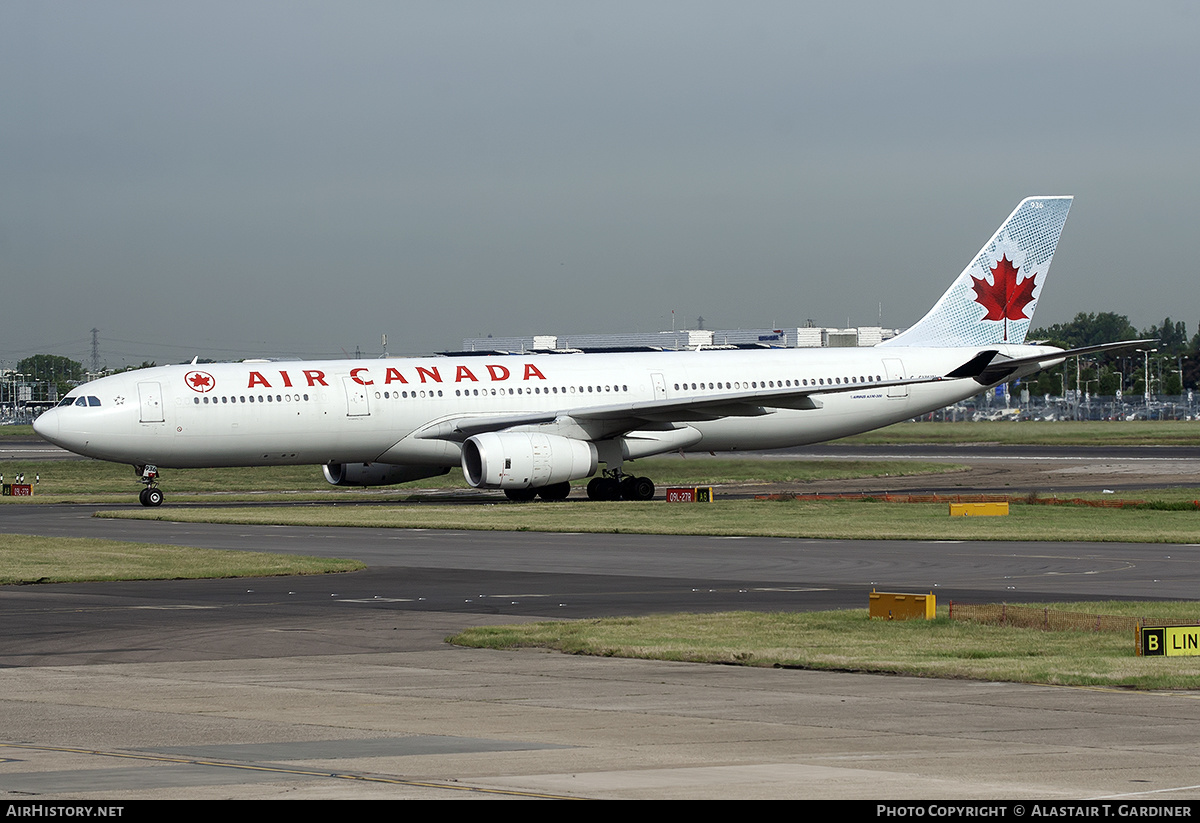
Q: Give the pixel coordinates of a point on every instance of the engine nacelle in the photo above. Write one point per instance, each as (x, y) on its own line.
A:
(377, 474)
(524, 460)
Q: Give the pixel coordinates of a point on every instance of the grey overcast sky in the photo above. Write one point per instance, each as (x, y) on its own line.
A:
(232, 179)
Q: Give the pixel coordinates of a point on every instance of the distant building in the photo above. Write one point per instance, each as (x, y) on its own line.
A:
(790, 338)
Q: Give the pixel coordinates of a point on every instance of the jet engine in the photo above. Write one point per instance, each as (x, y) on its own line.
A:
(377, 474)
(524, 460)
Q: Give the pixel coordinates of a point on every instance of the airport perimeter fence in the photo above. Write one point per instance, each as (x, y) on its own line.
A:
(1094, 407)
(1047, 619)
(1032, 499)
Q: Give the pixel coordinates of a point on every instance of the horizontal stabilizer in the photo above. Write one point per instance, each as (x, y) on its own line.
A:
(975, 366)
(990, 367)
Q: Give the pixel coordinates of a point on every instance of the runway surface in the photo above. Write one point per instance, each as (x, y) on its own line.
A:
(342, 686)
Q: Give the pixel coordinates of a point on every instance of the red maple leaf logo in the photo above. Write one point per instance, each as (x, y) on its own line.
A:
(1004, 298)
(199, 381)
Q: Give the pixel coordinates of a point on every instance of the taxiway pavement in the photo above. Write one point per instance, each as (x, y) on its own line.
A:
(342, 687)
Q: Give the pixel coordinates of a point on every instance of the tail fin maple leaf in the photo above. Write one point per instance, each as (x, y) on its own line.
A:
(1027, 237)
(1004, 298)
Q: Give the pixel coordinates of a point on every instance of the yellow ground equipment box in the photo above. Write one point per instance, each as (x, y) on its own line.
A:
(978, 509)
(894, 606)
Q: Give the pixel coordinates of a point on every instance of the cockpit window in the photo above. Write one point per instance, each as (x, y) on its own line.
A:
(81, 400)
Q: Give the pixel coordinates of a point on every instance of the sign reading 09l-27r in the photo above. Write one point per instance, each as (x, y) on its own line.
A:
(1169, 641)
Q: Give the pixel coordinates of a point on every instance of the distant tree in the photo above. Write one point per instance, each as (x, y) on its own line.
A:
(1087, 329)
(1191, 366)
(50, 367)
(146, 364)
(1175, 348)
(63, 372)
(1110, 381)
(1046, 382)
(1172, 337)
(1171, 384)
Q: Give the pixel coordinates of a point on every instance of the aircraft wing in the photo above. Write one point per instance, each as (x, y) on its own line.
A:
(611, 419)
(751, 403)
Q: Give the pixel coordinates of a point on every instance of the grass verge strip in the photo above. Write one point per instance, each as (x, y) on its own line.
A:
(25, 559)
(849, 641)
(825, 519)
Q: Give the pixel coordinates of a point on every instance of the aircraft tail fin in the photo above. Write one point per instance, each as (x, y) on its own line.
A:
(993, 300)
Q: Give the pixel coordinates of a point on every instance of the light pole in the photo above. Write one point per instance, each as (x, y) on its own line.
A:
(16, 395)
(1079, 394)
(1146, 376)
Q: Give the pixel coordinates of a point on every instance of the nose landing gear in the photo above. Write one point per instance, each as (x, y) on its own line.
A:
(151, 495)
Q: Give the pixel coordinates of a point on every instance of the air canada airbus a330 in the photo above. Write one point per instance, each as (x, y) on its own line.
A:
(532, 423)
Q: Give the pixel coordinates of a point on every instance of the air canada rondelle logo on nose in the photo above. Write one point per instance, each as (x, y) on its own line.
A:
(200, 381)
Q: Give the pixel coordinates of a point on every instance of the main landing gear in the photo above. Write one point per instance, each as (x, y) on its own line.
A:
(151, 495)
(613, 485)
(616, 485)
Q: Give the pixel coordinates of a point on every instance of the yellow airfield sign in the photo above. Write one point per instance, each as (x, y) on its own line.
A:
(1168, 641)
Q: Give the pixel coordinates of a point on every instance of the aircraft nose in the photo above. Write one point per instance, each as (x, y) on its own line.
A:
(46, 424)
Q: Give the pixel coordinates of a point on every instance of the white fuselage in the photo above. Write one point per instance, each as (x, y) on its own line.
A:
(366, 411)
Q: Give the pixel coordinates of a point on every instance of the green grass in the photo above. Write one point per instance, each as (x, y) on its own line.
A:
(25, 559)
(716, 471)
(94, 480)
(849, 641)
(95, 477)
(850, 520)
